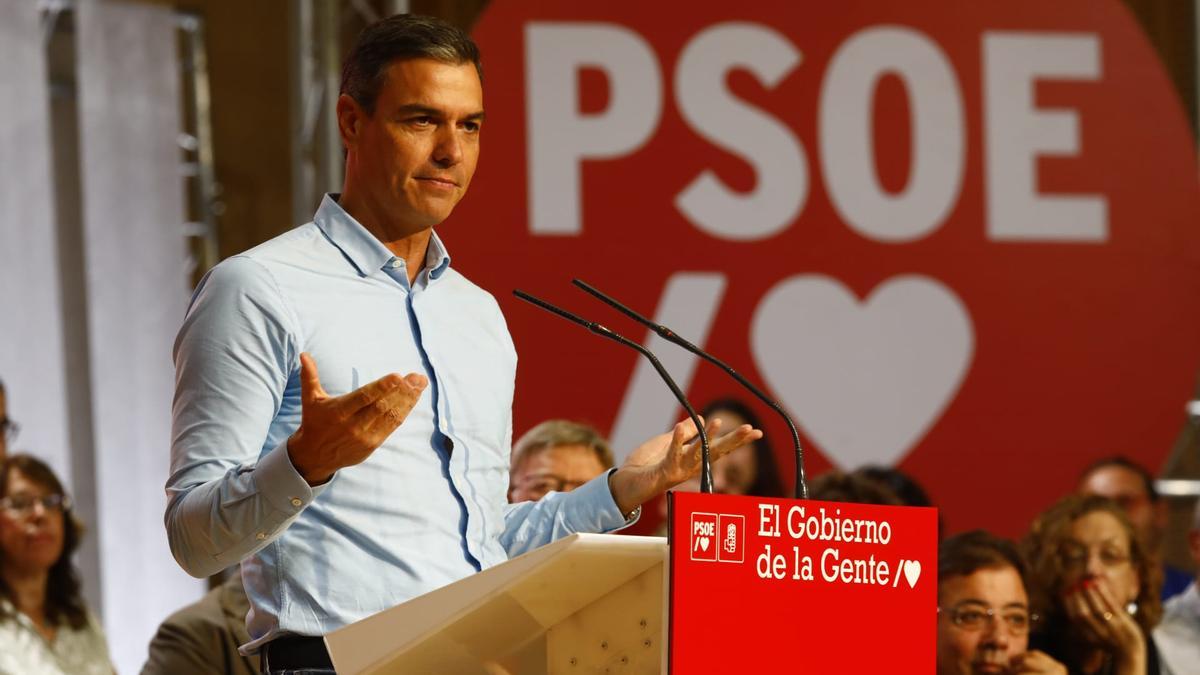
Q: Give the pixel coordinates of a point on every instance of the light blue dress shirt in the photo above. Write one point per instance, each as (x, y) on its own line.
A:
(425, 509)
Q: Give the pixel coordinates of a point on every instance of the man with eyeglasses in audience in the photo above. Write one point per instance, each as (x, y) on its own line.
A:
(556, 456)
(983, 609)
(1129, 484)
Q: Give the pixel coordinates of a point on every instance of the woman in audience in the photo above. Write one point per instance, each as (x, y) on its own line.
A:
(1096, 586)
(44, 626)
(751, 469)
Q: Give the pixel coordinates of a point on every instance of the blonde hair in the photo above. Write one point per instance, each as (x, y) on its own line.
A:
(555, 433)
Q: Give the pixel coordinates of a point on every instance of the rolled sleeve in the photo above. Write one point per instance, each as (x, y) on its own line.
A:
(589, 508)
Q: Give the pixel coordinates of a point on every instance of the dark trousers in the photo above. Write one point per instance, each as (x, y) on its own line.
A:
(296, 655)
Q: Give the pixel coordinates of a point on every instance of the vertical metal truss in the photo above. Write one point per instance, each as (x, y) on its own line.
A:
(317, 161)
(317, 28)
(203, 192)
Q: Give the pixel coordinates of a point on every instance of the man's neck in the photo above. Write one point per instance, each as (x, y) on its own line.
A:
(408, 244)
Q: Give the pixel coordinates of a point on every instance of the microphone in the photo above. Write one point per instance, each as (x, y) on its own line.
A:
(801, 486)
(705, 464)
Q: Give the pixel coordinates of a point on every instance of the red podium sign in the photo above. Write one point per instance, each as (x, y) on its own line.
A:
(778, 585)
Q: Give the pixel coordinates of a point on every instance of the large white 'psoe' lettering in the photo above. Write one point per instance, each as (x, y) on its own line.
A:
(1017, 134)
(847, 134)
(559, 136)
(759, 139)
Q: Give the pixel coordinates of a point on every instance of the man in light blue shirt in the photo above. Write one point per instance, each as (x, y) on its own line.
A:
(348, 490)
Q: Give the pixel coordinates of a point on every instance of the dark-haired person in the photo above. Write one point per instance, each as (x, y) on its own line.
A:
(1097, 587)
(904, 486)
(556, 456)
(852, 487)
(352, 490)
(983, 609)
(45, 628)
(751, 469)
(1132, 486)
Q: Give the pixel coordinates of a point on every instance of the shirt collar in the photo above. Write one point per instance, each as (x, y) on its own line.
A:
(363, 249)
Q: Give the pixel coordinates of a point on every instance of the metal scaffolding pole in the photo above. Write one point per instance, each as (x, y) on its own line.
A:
(317, 163)
(197, 141)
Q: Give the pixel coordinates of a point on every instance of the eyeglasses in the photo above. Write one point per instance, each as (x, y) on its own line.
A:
(975, 618)
(24, 505)
(9, 428)
(1075, 557)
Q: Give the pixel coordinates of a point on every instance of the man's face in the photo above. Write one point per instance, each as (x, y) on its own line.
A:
(559, 468)
(1126, 488)
(969, 641)
(413, 159)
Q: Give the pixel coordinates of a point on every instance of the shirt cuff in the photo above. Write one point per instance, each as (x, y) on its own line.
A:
(282, 484)
(598, 492)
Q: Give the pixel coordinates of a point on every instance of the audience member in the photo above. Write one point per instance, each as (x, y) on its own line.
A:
(1132, 486)
(556, 456)
(1097, 586)
(855, 487)
(751, 469)
(907, 489)
(45, 628)
(1178, 636)
(983, 609)
(8, 428)
(204, 636)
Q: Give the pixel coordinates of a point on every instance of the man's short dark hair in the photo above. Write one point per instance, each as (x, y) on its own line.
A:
(1124, 463)
(400, 38)
(967, 553)
(836, 486)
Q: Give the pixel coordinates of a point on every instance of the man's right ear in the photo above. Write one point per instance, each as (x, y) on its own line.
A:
(350, 117)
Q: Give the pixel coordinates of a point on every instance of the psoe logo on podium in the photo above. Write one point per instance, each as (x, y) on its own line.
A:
(731, 530)
(704, 536)
(718, 537)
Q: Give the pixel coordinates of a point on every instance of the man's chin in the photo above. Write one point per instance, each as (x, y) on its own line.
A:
(990, 668)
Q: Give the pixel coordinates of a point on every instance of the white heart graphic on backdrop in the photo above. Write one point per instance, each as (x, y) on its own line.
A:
(912, 572)
(702, 543)
(867, 379)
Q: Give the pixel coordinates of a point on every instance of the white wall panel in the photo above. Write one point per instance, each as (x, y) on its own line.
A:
(129, 121)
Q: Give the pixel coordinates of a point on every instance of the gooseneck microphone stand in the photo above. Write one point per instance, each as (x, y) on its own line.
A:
(705, 463)
(801, 483)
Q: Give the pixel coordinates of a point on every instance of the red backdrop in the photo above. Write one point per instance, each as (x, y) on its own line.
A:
(1065, 348)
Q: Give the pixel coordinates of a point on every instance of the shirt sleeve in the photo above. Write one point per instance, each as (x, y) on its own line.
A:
(234, 356)
(589, 508)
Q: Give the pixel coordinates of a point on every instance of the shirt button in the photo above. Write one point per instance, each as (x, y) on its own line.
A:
(397, 263)
(260, 536)
(296, 501)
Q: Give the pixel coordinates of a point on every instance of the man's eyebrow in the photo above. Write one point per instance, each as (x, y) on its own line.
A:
(418, 109)
(981, 603)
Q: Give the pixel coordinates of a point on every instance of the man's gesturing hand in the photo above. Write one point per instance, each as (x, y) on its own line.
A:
(344, 430)
(667, 460)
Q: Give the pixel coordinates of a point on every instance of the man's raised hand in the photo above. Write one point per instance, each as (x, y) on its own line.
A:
(667, 460)
(340, 431)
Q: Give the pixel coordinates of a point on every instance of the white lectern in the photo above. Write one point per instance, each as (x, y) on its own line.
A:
(588, 603)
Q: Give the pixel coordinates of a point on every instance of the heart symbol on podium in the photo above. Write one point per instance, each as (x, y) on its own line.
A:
(912, 572)
(866, 379)
(702, 543)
